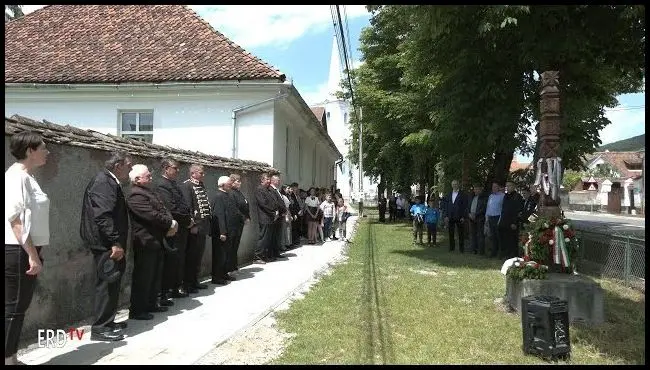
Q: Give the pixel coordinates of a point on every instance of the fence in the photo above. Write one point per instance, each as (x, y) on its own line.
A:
(612, 255)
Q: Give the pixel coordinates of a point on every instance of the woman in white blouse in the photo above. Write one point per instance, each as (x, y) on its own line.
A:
(27, 211)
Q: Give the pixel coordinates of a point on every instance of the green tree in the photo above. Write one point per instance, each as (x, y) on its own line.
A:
(13, 12)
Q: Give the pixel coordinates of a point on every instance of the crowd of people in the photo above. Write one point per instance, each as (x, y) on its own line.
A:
(165, 223)
(498, 215)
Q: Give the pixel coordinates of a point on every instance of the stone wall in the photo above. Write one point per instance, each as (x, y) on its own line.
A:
(64, 291)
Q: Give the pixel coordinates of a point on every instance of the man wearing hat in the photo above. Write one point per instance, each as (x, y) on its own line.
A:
(151, 221)
(104, 229)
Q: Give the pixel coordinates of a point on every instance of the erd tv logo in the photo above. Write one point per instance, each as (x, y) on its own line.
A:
(50, 338)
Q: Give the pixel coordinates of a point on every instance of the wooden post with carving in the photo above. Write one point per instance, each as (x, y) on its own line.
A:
(549, 166)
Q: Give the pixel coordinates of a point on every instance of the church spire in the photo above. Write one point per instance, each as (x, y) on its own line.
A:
(336, 75)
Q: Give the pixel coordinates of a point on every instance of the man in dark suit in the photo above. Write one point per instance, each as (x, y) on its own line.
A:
(277, 243)
(530, 206)
(513, 205)
(267, 214)
(194, 191)
(454, 209)
(243, 218)
(381, 205)
(104, 229)
(174, 262)
(224, 224)
(477, 207)
(151, 223)
(296, 208)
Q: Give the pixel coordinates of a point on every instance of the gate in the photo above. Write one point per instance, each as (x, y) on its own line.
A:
(614, 201)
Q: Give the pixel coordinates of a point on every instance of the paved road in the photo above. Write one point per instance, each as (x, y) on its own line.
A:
(608, 223)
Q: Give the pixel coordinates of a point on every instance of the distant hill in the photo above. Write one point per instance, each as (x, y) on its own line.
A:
(626, 145)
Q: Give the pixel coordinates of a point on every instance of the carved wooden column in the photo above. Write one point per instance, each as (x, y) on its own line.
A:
(549, 169)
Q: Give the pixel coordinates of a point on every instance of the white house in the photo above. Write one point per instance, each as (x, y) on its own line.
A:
(337, 116)
(162, 74)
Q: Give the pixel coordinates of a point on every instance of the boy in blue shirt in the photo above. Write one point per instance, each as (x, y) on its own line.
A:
(431, 216)
(417, 211)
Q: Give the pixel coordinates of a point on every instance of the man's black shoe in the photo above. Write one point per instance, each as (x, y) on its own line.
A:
(229, 278)
(158, 309)
(166, 302)
(117, 325)
(220, 282)
(141, 316)
(201, 286)
(107, 336)
(179, 293)
(259, 261)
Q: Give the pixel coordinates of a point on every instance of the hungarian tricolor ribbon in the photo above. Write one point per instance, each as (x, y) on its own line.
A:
(560, 253)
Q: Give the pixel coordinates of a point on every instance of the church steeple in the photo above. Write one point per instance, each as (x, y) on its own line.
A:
(336, 75)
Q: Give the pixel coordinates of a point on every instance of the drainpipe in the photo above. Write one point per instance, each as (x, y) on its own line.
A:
(243, 108)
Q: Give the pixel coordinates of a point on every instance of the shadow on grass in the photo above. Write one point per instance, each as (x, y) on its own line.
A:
(442, 256)
(622, 336)
(376, 323)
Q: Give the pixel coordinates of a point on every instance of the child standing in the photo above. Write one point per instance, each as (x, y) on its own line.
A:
(417, 211)
(342, 217)
(431, 217)
(328, 215)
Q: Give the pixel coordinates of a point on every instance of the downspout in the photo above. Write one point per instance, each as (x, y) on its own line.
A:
(243, 108)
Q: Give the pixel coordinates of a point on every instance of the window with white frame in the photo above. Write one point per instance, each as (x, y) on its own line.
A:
(136, 125)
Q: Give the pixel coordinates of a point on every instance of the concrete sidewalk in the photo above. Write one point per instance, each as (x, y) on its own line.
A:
(196, 325)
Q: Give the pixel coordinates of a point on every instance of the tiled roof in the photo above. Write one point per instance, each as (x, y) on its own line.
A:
(620, 161)
(319, 112)
(516, 165)
(123, 43)
(68, 135)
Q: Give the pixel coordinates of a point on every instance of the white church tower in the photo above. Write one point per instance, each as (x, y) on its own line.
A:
(337, 113)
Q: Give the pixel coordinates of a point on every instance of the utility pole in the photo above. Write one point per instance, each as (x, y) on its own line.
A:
(361, 195)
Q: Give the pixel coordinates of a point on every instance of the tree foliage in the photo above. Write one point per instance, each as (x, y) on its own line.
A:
(460, 84)
(13, 12)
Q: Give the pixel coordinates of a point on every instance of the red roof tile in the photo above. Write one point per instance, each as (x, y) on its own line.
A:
(123, 43)
(319, 112)
(620, 161)
(516, 165)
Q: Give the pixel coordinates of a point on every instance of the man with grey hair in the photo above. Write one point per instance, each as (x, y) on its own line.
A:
(174, 261)
(104, 229)
(224, 225)
(151, 221)
(194, 191)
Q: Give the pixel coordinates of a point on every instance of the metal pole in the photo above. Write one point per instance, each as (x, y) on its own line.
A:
(361, 195)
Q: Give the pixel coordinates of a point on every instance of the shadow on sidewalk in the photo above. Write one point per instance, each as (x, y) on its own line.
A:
(90, 353)
(246, 272)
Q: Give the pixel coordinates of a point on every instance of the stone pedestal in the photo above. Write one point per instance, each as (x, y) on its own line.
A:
(584, 295)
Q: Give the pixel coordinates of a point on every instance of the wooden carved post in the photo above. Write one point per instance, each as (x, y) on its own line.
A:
(549, 166)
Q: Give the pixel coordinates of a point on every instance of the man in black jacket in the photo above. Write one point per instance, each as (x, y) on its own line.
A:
(274, 189)
(173, 266)
(151, 222)
(194, 191)
(267, 214)
(243, 217)
(104, 229)
(224, 223)
(454, 208)
(530, 206)
(296, 208)
(513, 205)
(477, 207)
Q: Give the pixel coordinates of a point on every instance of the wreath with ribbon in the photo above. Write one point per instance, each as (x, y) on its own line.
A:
(546, 241)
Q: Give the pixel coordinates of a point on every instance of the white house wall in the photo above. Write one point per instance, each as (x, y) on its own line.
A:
(187, 119)
(294, 155)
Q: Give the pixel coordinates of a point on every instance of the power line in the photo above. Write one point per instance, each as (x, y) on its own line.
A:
(626, 108)
(347, 33)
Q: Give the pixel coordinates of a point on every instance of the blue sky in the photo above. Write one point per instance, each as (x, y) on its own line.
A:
(297, 39)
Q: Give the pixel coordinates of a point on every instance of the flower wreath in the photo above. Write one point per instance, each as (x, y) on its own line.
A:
(547, 241)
